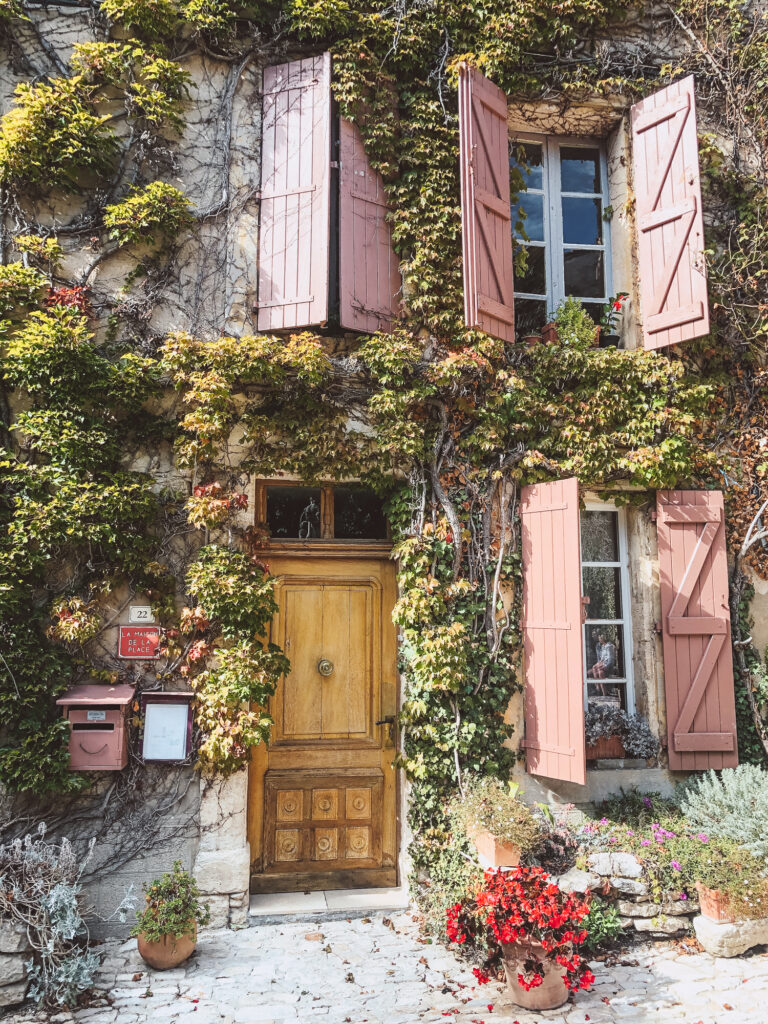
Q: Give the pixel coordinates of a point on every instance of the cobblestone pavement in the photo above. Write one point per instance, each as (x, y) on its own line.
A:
(378, 971)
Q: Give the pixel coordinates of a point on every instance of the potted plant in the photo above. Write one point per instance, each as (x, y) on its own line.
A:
(166, 929)
(610, 732)
(499, 824)
(549, 333)
(730, 881)
(523, 922)
(605, 331)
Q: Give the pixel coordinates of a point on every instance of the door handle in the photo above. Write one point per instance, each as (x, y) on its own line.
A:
(389, 721)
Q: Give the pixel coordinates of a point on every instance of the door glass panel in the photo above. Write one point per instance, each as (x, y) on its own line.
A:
(530, 214)
(526, 163)
(358, 515)
(602, 585)
(579, 169)
(584, 273)
(599, 537)
(530, 316)
(534, 280)
(595, 310)
(293, 512)
(604, 649)
(582, 220)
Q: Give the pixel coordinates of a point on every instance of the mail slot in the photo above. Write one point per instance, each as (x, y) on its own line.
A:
(98, 719)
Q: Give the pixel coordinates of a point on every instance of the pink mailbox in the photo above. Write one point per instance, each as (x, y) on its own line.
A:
(98, 738)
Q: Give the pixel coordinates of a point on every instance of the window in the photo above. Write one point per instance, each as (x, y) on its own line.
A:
(605, 586)
(558, 217)
(348, 512)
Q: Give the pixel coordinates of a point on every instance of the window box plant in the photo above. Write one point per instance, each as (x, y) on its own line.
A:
(524, 923)
(501, 826)
(610, 732)
(166, 929)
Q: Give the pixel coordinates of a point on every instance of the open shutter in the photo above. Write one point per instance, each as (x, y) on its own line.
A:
(486, 218)
(552, 620)
(295, 194)
(369, 271)
(673, 278)
(698, 664)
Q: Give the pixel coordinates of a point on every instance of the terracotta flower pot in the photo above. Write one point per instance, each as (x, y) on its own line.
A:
(549, 334)
(550, 994)
(713, 903)
(531, 339)
(606, 746)
(500, 855)
(169, 951)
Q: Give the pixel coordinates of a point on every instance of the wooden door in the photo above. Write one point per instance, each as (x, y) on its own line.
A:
(322, 801)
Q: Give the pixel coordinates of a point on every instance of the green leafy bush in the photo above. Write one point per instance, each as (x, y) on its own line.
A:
(602, 924)
(20, 289)
(732, 804)
(53, 136)
(172, 907)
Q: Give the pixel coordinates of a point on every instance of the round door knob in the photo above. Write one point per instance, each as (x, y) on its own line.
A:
(324, 667)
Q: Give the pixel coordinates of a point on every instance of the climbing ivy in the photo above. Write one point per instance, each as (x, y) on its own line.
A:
(447, 423)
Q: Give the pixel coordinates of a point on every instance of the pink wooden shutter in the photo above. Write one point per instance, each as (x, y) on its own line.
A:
(295, 194)
(673, 277)
(369, 271)
(552, 620)
(698, 665)
(486, 217)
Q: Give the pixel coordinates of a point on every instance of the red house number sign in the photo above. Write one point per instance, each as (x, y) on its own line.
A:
(139, 642)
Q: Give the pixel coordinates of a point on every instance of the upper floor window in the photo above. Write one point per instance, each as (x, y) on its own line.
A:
(559, 219)
(605, 586)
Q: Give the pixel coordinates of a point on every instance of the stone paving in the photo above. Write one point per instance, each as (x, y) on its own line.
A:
(379, 970)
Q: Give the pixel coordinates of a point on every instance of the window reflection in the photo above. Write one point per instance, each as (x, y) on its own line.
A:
(293, 512)
(358, 514)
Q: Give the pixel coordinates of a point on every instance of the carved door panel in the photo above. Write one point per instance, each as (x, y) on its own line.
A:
(322, 796)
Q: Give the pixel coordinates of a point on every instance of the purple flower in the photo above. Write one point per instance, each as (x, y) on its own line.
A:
(683, 895)
(630, 832)
(613, 839)
(677, 866)
(645, 842)
(604, 821)
(647, 802)
(703, 837)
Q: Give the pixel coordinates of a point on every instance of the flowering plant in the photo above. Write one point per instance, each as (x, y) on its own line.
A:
(612, 310)
(523, 907)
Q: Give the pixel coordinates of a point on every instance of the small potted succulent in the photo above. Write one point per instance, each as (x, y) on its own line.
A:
(166, 929)
(499, 824)
(522, 921)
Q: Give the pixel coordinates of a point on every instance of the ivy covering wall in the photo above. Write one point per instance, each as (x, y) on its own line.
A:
(446, 423)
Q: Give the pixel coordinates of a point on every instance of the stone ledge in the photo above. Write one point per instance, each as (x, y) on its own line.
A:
(730, 938)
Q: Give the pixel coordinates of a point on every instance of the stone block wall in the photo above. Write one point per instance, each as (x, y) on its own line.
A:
(15, 950)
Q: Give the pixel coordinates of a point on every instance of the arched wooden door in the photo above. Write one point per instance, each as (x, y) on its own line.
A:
(323, 796)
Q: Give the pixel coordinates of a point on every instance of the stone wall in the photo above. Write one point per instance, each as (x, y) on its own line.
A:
(15, 950)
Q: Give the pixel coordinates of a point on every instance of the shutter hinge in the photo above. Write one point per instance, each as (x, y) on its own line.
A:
(335, 165)
(653, 515)
(657, 627)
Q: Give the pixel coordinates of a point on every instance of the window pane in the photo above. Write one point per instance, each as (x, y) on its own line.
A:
(529, 217)
(358, 514)
(580, 169)
(584, 273)
(599, 536)
(530, 316)
(603, 588)
(607, 694)
(293, 512)
(526, 163)
(605, 652)
(534, 279)
(595, 310)
(582, 220)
